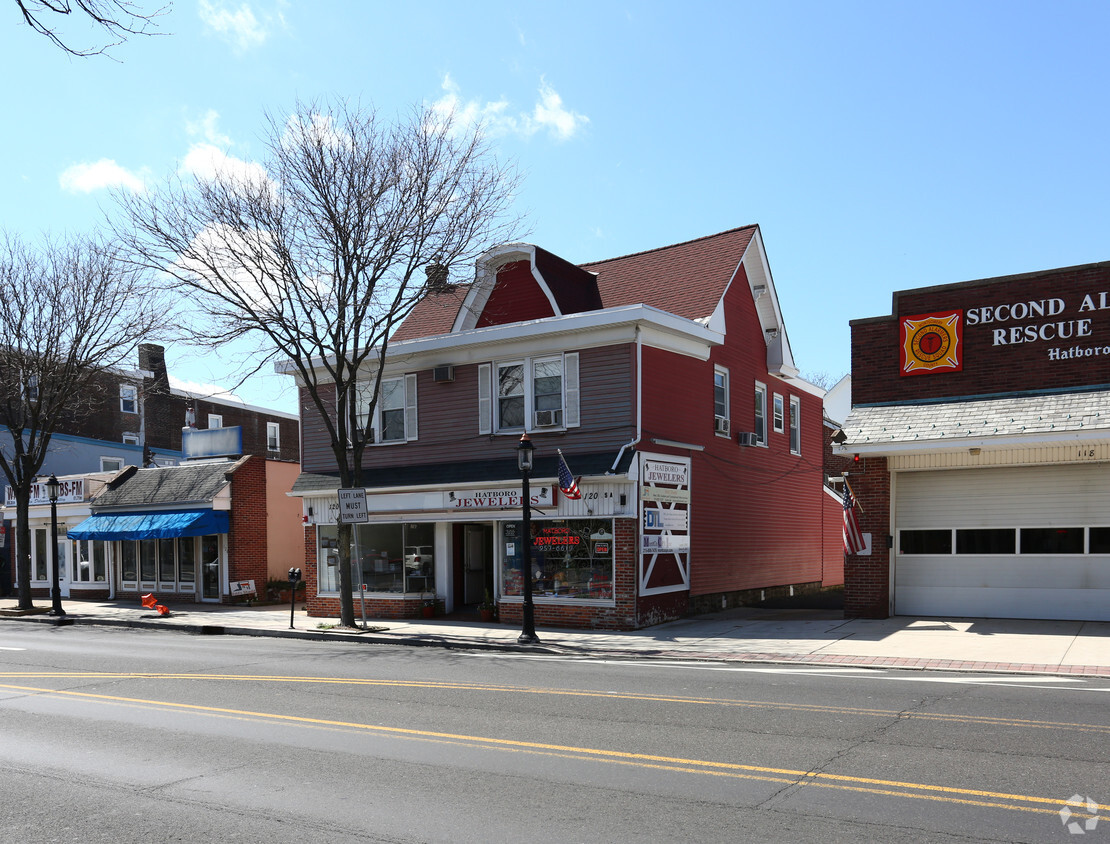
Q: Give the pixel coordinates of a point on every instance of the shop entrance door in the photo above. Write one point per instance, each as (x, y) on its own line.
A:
(477, 562)
(210, 568)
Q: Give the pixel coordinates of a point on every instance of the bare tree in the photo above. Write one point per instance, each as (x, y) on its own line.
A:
(69, 312)
(119, 19)
(324, 250)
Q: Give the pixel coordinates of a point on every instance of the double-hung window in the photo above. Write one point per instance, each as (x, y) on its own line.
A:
(761, 413)
(273, 438)
(779, 414)
(128, 398)
(394, 418)
(215, 420)
(528, 394)
(720, 401)
(795, 425)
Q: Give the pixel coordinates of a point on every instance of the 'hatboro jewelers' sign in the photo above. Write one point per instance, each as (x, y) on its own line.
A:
(485, 499)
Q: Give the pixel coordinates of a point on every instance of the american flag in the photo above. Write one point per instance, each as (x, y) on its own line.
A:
(567, 483)
(853, 539)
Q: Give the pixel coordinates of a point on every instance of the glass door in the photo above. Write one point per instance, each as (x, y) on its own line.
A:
(210, 568)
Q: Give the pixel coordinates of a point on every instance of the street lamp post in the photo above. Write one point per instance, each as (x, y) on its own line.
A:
(52, 484)
(524, 462)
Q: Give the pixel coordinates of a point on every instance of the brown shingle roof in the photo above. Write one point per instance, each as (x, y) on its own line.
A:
(687, 279)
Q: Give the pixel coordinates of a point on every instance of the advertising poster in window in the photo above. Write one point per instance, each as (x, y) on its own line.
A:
(664, 524)
(571, 558)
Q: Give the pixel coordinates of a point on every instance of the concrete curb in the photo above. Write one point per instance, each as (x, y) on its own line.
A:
(458, 643)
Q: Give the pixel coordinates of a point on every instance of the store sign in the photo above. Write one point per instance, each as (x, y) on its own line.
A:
(501, 498)
(666, 519)
(70, 491)
(932, 343)
(664, 543)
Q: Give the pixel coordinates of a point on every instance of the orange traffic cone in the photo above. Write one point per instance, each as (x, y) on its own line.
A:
(149, 601)
(162, 610)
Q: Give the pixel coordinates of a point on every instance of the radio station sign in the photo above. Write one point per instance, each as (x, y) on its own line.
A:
(70, 491)
(494, 499)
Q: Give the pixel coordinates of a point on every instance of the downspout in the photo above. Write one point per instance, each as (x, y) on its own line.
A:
(639, 404)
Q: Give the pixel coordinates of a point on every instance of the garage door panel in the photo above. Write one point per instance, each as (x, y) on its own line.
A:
(995, 572)
(1064, 586)
(1044, 496)
(1085, 605)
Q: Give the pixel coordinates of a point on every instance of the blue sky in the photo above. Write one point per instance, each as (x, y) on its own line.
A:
(880, 146)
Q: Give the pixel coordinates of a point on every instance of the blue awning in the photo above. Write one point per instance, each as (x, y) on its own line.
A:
(162, 525)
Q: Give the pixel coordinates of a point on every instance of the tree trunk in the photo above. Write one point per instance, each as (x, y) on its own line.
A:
(23, 547)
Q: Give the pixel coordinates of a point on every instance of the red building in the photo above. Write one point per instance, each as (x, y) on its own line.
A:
(666, 381)
(980, 433)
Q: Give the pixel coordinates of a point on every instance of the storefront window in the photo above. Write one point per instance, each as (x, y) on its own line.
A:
(41, 559)
(166, 569)
(186, 559)
(148, 558)
(89, 561)
(571, 558)
(386, 558)
(128, 561)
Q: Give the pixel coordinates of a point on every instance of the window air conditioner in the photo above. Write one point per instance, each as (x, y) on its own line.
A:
(720, 425)
(443, 374)
(747, 438)
(548, 418)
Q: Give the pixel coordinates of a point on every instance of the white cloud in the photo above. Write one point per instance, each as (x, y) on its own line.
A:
(548, 114)
(552, 115)
(206, 128)
(239, 27)
(105, 173)
(203, 391)
(206, 161)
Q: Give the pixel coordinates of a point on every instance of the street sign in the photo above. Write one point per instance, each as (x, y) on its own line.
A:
(352, 506)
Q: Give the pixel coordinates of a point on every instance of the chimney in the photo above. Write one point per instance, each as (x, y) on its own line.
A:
(152, 358)
(437, 278)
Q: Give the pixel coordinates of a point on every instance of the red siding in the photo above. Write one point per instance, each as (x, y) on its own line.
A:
(516, 297)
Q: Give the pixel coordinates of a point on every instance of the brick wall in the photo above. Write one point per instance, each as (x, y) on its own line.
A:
(246, 544)
(867, 579)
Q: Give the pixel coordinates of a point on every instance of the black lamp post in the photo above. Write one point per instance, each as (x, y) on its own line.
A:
(524, 461)
(52, 484)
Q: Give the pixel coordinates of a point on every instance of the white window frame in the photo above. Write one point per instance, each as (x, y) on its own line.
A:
(489, 394)
(273, 436)
(778, 414)
(407, 384)
(720, 372)
(795, 425)
(760, 413)
(128, 398)
(106, 461)
(131, 439)
(215, 420)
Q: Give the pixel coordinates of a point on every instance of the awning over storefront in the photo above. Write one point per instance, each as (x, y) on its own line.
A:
(151, 525)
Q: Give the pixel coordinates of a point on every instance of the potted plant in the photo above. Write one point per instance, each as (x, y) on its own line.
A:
(487, 610)
(429, 608)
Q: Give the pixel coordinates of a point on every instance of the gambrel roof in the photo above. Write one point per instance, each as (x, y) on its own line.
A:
(688, 280)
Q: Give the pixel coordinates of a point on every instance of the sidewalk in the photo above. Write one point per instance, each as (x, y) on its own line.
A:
(809, 637)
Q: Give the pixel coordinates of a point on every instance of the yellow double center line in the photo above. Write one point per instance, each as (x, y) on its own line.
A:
(787, 776)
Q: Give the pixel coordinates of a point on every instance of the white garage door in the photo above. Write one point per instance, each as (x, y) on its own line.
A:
(1014, 542)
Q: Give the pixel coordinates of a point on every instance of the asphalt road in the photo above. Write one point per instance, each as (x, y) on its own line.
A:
(127, 736)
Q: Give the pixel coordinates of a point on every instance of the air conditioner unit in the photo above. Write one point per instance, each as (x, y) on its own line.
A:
(747, 438)
(720, 425)
(443, 374)
(548, 418)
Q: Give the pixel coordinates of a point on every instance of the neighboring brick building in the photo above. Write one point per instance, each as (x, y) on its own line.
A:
(981, 421)
(137, 417)
(666, 380)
